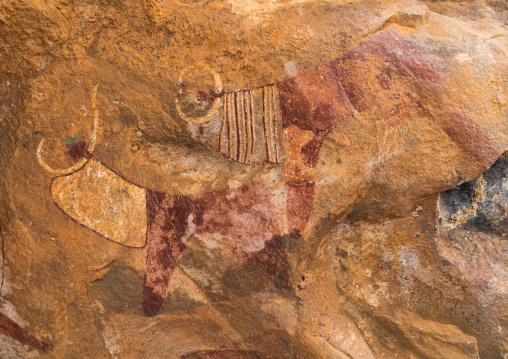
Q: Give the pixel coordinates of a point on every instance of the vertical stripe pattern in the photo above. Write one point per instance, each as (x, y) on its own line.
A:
(252, 126)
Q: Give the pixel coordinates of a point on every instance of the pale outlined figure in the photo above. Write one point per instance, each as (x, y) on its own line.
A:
(99, 199)
(291, 119)
(283, 124)
(96, 197)
(89, 149)
(215, 104)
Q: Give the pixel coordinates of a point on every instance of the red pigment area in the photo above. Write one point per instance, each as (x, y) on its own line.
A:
(381, 82)
(244, 214)
(167, 225)
(11, 329)
(310, 152)
(312, 102)
(207, 96)
(274, 261)
(468, 135)
(226, 354)
(79, 150)
(299, 207)
(389, 76)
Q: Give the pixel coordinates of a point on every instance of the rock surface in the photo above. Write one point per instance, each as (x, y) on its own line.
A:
(253, 179)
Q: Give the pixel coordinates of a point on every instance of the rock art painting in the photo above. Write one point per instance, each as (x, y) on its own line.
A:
(226, 354)
(98, 198)
(163, 222)
(284, 123)
(312, 149)
(287, 122)
(9, 327)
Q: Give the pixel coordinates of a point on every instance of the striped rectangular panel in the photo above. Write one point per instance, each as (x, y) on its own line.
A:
(251, 129)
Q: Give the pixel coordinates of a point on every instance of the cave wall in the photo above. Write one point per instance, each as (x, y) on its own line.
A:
(253, 179)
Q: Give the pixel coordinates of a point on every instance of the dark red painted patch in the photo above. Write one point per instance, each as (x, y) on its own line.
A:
(351, 90)
(207, 96)
(167, 226)
(226, 354)
(382, 83)
(299, 207)
(310, 152)
(12, 330)
(244, 214)
(312, 102)
(79, 150)
(406, 80)
(394, 47)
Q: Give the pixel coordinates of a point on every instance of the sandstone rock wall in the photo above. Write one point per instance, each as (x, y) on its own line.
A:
(253, 179)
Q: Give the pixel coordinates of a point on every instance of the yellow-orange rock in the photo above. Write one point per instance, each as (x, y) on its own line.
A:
(368, 221)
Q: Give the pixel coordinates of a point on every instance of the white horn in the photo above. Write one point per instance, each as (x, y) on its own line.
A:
(91, 146)
(216, 102)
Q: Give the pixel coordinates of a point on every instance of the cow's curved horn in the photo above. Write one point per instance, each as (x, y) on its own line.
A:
(216, 102)
(90, 148)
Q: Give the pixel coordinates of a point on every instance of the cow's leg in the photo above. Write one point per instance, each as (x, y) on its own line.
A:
(12, 330)
(273, 260)
(300, 200)
(168, 230)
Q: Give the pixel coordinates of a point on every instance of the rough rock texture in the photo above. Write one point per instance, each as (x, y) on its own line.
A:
(253, 179)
